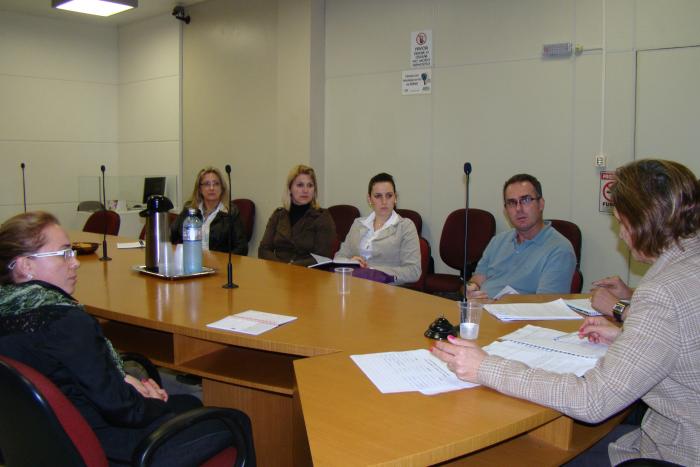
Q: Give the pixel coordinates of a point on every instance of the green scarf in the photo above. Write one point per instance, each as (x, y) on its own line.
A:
(16, 299)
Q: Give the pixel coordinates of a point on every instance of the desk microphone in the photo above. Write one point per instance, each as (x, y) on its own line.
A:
(24, 188)
(467, 172)
(104, 217)
(229, 270)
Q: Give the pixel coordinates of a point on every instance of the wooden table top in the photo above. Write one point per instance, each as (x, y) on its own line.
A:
(348, 421)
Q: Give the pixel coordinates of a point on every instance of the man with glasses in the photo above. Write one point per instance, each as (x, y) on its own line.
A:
(530, 258)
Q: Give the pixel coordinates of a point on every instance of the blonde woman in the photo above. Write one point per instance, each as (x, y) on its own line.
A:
(301, 226)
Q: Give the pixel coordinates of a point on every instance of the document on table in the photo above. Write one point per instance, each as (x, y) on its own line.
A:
(413, 370)
(531, 311)
(548, 349)
(507, 290)
(323, 260)
(129, 245)
(582, 305)
(251, 322)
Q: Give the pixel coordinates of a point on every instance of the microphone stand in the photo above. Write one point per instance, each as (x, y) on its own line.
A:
(104, 217)
(229, 269)
(467, 171)
(24, 188)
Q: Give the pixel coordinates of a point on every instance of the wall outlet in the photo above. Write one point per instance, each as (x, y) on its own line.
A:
(601, 161)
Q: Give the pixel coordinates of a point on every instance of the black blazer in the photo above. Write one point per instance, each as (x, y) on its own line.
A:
(219, 230)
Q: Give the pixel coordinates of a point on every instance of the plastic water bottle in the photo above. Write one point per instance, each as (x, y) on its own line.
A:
(192, 242)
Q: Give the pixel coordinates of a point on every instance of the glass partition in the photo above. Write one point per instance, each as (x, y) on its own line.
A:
(123, 192)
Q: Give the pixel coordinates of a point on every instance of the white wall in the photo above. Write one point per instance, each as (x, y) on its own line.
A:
(247, 74)
(58, 95)
(150, 99)
(495, 102)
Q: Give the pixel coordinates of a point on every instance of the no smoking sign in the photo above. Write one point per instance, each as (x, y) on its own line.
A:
(607, 180)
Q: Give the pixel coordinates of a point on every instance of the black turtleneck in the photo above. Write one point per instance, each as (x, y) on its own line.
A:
(296, 212)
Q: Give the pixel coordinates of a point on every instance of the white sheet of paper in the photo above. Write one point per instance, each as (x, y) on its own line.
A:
(551, 339)
(555, 362)
(251, 322)
(413, 370)
(556, 309)
(507, 290)
(128, 245)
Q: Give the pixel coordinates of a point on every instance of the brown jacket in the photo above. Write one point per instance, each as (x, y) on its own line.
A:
(313, 233)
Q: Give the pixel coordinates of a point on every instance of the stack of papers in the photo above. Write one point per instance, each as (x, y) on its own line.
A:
(549, 350)
(414, 370)
(251, 322)
(557, 309)
(582, 305)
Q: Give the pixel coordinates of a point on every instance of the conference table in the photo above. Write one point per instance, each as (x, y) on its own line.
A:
(309, 403)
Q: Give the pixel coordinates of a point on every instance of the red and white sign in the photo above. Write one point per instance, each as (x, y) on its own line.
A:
(605, 203)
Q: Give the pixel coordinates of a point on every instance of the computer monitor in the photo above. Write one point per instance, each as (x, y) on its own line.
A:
(153, 186)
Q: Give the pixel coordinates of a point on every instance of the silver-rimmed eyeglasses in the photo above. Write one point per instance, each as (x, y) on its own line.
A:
(523, 201)
(67, 254)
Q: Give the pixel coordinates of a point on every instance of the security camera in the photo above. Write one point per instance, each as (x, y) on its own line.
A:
(179, 13)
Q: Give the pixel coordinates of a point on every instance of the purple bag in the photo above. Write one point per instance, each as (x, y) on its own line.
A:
(373, 275)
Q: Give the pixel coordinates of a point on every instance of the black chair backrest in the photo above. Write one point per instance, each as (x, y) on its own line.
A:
(482, 226)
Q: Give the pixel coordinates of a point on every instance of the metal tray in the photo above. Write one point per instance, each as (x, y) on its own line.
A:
(142, 269)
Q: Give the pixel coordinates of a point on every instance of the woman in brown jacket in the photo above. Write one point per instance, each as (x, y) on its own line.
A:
(301, 226)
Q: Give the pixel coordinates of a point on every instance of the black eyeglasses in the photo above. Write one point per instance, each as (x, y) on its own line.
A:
(523, 201)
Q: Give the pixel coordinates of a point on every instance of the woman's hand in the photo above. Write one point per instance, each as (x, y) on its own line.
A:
(615, 286)
(361, 260)
(599, 330)
(463, 357)
(147, 388)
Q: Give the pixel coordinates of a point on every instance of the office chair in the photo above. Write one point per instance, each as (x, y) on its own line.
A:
(246, 208)
(414, 216)
(40, 426)
(482, 226)
(343, 216)
(99, 221)
(573, 234)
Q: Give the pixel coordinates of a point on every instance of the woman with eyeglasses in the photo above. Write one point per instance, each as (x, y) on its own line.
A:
(300, 227)
(384, 240)
(654, 355)
(44, 327)
(211, 196)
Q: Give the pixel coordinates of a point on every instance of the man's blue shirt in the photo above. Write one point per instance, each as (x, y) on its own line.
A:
(544, 264)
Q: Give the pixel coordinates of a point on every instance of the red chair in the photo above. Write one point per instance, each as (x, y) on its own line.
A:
(103, 221)
(40, 426)
(414, 216)
(246, 208)
(573, 234)
(482, 227)
(343, 216)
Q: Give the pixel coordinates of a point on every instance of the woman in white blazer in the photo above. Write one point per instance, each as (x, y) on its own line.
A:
(384, 240)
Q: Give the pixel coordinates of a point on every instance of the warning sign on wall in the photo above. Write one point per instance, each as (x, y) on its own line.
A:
(607, 180)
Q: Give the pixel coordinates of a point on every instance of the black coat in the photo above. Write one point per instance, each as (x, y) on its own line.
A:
(219, 230)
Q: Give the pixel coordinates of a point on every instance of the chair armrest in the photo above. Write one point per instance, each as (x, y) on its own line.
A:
(229, 417)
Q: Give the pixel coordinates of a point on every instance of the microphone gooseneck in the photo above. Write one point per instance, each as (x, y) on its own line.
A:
(24, 188)
(104, 217)
(467, 172)
(229, 267)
